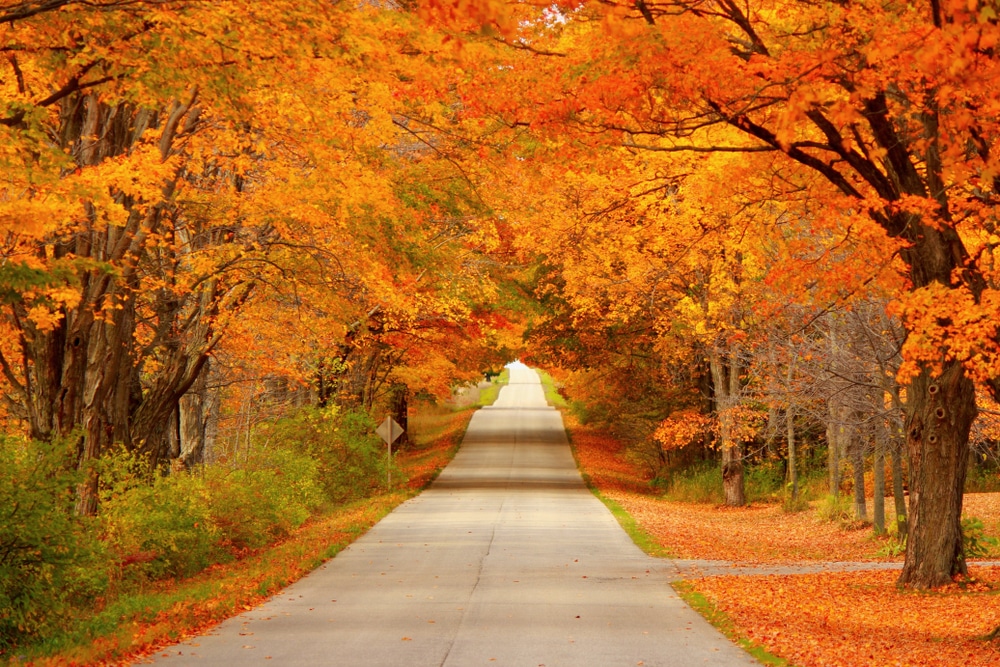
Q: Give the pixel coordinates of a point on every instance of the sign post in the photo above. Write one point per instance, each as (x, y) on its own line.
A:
(389, 431)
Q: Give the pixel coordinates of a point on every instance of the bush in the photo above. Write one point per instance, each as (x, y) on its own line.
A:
(155, 526)
(44, 547)
(980, 479)
(765, 482)
(975, 540)
(254, 506)
(791, 505)
(836, 508)
(159, 526)
(701, 483)
(350, 458)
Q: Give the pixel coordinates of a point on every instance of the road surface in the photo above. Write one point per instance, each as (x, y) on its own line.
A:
(506, 560)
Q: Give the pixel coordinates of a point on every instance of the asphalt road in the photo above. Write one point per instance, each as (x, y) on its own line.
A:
(506, 560)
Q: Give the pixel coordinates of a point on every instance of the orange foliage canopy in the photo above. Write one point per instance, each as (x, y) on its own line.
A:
(258, 183)
(860, 125)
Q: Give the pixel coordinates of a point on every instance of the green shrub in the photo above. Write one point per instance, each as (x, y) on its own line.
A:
(791, 505)
(271, 497)
(895, 545)
(155, 526)
(350, 457)
(975, 540)
(836, 508)
(980, 479)
(45, 550)
(175, 525)
(701, 483)
(765, 482)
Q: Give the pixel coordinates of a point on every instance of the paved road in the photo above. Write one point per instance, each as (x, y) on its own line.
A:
(506, 560)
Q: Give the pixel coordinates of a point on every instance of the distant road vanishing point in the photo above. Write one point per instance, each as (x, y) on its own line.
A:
(506, 559)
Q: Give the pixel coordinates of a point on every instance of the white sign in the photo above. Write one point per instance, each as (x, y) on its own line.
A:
(389, 430)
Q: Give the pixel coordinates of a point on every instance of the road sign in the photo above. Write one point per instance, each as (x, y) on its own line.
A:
(389, 431)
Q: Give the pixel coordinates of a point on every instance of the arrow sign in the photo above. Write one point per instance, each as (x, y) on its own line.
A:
(389, 430)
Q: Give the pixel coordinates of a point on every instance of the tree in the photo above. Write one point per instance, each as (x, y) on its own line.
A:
(887, 113)
(180, 172)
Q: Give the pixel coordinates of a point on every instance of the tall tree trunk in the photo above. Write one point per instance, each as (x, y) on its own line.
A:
(726, 384)
(858, 464)
(833, 456)
(834, 428)
(194, 413)
(878, 501)
(940, 412)
(793, 477)
(898, 497)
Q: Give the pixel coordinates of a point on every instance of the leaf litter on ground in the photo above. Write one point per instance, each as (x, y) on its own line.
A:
(828, 619)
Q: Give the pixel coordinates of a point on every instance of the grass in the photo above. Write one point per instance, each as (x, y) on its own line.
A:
(488, 395)
(552, 394)
(721, 622)
(698, 484)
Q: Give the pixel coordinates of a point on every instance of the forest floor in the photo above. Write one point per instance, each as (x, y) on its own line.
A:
(827, 618)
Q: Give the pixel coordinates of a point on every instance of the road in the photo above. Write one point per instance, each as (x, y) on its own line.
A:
(506, 560)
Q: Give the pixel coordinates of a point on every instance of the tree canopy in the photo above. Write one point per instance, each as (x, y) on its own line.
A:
(685, 198)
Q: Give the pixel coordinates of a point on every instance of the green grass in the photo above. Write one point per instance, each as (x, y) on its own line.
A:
(721, 622)
(552, 394)
(700, 483)
(488, 395)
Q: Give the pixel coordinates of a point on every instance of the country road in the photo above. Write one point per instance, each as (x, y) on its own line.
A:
(506, 560)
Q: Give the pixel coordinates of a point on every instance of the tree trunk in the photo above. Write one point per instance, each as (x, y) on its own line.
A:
(725, 381)
(940, 412)
(193, 411)
(897, 487)
(878, 501)
(399, 409)
(858, 464)
(793, 478)
(833, 455)
(834, 429)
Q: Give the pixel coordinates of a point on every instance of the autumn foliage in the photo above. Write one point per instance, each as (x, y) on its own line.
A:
(763, 230)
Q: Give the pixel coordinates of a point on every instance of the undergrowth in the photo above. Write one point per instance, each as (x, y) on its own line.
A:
(169, 553)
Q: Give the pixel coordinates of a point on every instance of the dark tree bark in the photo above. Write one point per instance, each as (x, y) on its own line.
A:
(898, 497)
(726, 388)
(858, 469)
(399, 409)
(940, 411)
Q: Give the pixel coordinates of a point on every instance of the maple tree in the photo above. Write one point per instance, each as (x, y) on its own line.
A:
(190, 181)
(886, 114)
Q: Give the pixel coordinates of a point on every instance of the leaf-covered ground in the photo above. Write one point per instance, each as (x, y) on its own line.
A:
(860, 618)
(756, 534)
(760, 533)
(828, 619)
